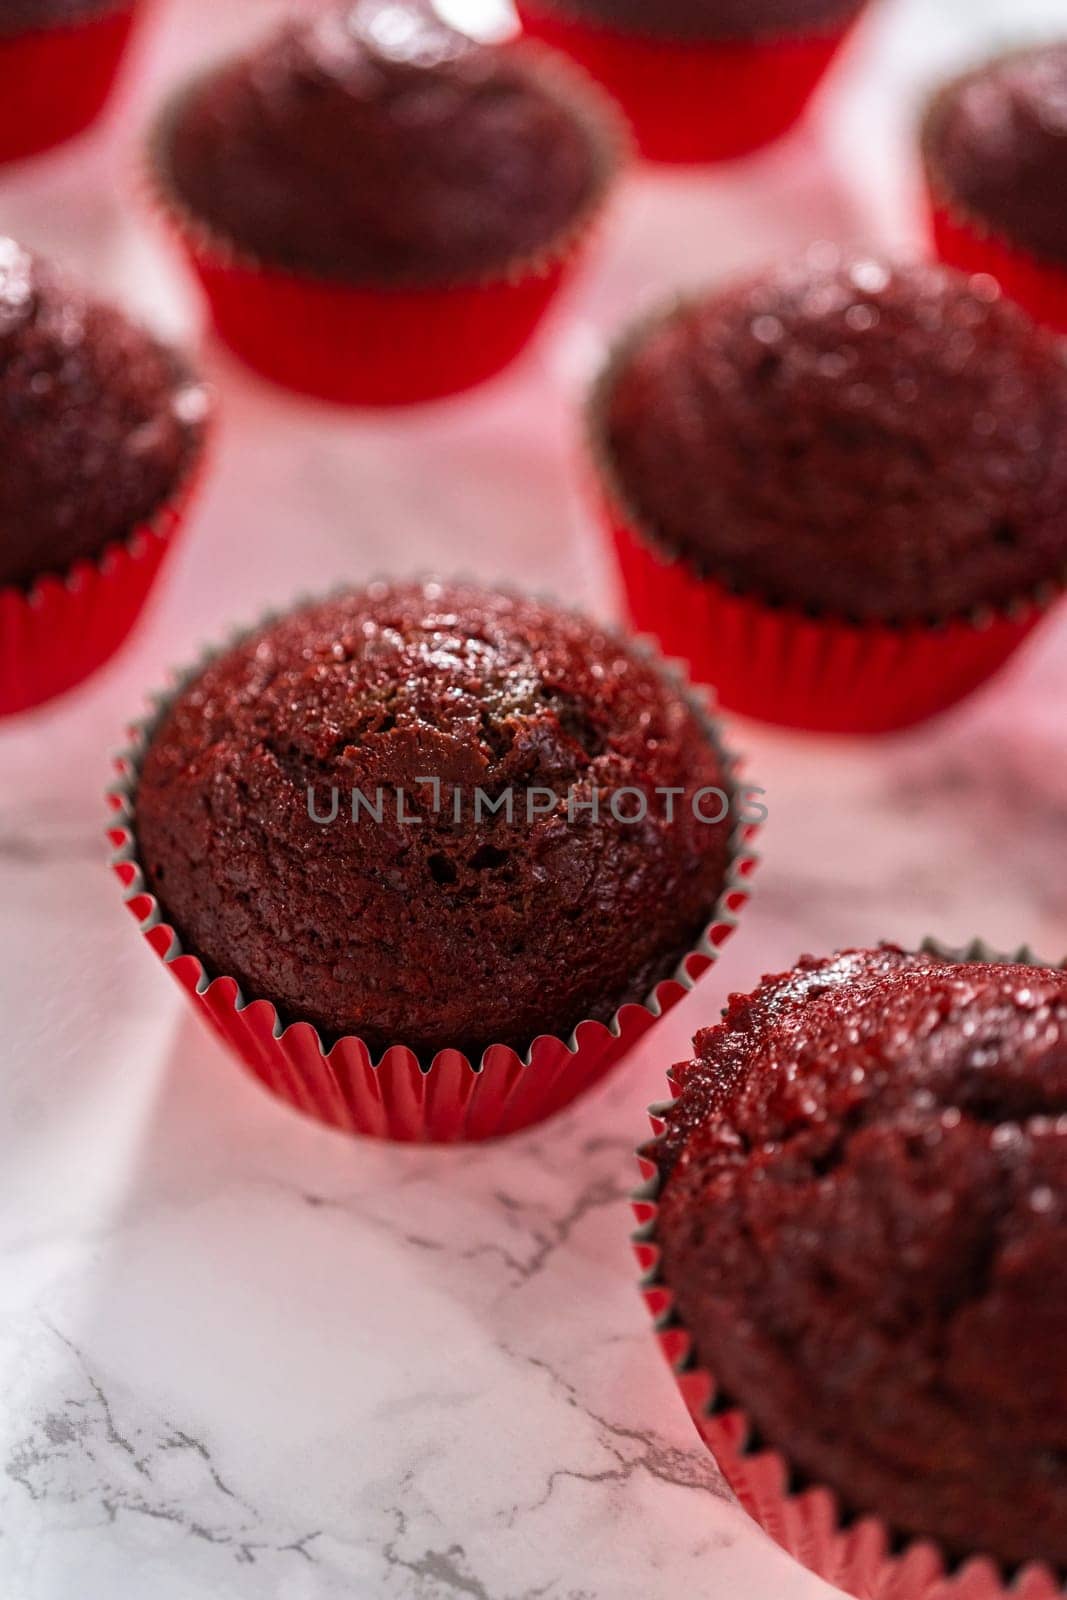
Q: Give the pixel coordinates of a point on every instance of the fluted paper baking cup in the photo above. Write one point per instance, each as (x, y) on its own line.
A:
(386, 344)
(822, 674)
(391, 1095)
(856, 1550)
(962, 241)
(693, 100)
(55, 81)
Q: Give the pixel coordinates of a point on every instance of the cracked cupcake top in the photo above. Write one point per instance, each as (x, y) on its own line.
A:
(863, 1222)
(457, 929)
(374, 142)
(98, 421)
(865, 440)
(996, 145)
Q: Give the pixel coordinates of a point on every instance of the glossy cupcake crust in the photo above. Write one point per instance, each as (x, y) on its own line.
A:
(441, 932)
(98, 421)
(375, 144)
(996, 147)
(865, 441)
(711, 19)
(863, 1221)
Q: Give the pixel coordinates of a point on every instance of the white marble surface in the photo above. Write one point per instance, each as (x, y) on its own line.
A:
(243, 1358)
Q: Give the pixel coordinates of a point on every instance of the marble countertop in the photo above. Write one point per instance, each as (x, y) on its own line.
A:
(242, 1357)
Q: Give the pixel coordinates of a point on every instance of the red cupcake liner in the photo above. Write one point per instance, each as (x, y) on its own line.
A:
(822, 674)
(859, 1552)
(65, 627)
(694, 100)
(385, 345)
(391, 1096)
(55, 81)
(1040, 287)
(811, 673)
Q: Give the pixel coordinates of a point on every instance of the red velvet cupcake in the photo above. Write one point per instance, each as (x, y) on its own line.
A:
(839, 491)
(409, 848)
(379, 209)
(101, 432)
(854, 1229)
(58, 63)
(995, 150)
(700, 80)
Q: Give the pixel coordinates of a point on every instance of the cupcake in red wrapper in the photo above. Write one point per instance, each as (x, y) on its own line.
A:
(995, 152)
(839, 491)
(852, 1232)
(58, 63)
(700, 80)
(102, 432)
(379, 209)
(410, 850)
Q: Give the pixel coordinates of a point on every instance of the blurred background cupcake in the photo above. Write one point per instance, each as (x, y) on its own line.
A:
(102, 430)
(445, 956)
(838, 490)
(379, 208)
(856, 1223)
(700, 80)
(59, 60)
(995, 150)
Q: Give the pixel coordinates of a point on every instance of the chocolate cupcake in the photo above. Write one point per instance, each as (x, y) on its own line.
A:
(846, 448)
(99, 422)
(377, 158)
(101, 428)
(406, 816)
(860, 1224)
(995, 149)
(701, 80)
(58, 63)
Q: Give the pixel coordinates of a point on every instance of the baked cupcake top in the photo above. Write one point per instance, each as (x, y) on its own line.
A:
(98, 421)
(712, 19)
(863, 1223)
(869, 441)
(467, 927)
(24, 16)
(376, 143)
(995, 143)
